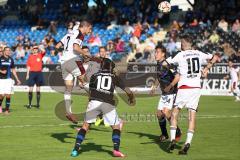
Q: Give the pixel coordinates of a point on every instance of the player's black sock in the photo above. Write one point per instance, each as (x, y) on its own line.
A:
(163, 123)
(38, 98)
(8, 101)
(80, 138)
(116, 139)
(30, 94)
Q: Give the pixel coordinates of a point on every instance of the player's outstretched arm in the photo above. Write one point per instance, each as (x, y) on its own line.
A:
(131, 97)
(154, 87)
(216, 58)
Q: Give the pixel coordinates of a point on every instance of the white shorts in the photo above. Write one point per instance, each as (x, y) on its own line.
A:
(109, 112)
(70, 69)
(166, 101)
(188, 98)
(6, 86)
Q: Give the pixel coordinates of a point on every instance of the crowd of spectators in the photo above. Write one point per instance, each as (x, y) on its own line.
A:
(139, 22)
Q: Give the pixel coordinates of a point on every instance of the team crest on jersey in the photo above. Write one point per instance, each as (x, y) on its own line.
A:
(38, 60)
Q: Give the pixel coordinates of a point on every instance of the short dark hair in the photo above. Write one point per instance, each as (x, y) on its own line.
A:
(102, 47)
(107, 64)
(187, 38)
(85, 23)
(163, 49)
(6, 48)
(85, 47)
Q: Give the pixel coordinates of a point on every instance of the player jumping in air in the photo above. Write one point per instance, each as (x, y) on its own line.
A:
(189, 63)
(6, 82)
(72, 45)
(102, 85)
(234, 74)
(167, 78)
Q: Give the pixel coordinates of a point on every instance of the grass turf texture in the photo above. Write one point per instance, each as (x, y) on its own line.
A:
(40, 135)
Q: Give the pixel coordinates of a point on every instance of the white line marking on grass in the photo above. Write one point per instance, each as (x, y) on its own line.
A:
(132, 120)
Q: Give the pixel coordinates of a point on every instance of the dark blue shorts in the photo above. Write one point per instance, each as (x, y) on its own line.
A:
(35, 78)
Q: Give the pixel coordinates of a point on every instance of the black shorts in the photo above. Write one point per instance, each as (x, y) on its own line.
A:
(35, 78)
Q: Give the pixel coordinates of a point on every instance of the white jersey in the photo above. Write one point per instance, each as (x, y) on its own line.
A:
(189, 65)
(68, 40)
(234, 74)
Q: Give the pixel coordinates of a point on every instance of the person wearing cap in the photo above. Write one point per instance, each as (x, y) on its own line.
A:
(34, 73)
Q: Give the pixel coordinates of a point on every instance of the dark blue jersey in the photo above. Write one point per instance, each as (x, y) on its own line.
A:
(165, 75)
(6, 64)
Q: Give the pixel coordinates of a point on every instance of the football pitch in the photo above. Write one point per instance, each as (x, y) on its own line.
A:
(39, 135)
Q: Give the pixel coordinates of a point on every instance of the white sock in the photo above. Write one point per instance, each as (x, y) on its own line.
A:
(173, 132)
(189, 136)
(67, 99)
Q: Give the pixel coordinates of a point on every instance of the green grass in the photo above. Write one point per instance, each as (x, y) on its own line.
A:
(40, 135)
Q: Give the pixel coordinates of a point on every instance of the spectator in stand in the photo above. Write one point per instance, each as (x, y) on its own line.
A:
(52, 29)
(103, 52)
(228, 52)
(236, 26)
(222, 24)
(27, 41)
(175, 26)
(120, 45)
(214, 38)
(127, 28)
(20, 52)
(111, 47)
(194, 23)
(95, 40)
(134, 43)
(1, 51)
(235, 58)
(137, 29)
(171, 46)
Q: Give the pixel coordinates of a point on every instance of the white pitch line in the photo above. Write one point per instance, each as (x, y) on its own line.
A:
(66, 124)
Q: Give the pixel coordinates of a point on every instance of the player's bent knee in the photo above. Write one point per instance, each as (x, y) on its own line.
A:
(115, 127)
(85, 126)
